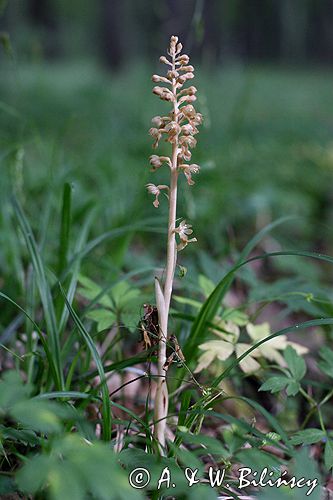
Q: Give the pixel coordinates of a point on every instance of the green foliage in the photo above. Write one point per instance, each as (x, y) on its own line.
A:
(121, 304)
(301, 463)
(73, 469)
(106, 411)
(326, 363)
(328, 456)
(296, 364)
(297, 370)
(275, 384)
(308, 436)
(32, 414)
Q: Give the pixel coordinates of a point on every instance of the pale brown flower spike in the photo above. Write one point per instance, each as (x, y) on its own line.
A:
(178, 128)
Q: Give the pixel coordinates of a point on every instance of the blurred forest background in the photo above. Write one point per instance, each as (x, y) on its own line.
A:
(76, 105)
(120, 31)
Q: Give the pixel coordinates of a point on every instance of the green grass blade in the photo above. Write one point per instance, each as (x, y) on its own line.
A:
(66, 394)
(48, 353)
(253, 430)
(119, 365)
(196, 413)
(268, 416)
(134, 417)
(65, 227)
(43, 288)
(75, 272)
(106, 408)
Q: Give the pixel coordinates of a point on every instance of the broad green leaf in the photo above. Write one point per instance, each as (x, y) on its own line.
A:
(306, 466)
(105, 318)
(12, 390)
(202, 491)
(207, 444)
(186, 458)
(296, 363)
(307, 436)
(65, 483)
(33, 475)
(257, 459)
(90, 290)
(234, 438)
(302, 466)
(130, 318)
(76, 469)
(25, 436)
(274, 384)
(213, 302)
(293, 388)
(123, 294)
(124, 301)
(328, 455)
(41, 416)
(7, 486)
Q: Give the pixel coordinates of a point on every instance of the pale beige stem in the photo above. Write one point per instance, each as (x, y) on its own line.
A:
(161, 399)
(172, 248)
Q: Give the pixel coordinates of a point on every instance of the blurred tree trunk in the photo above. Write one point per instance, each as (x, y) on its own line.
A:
(40, 13)
(294, 25)
(112, 30)
(320, 31)
(179, 21)
(258, 29)
(212, 32)
(43, 16)
(175, 21)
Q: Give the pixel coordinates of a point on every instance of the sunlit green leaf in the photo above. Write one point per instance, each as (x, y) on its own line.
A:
(274, 384)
